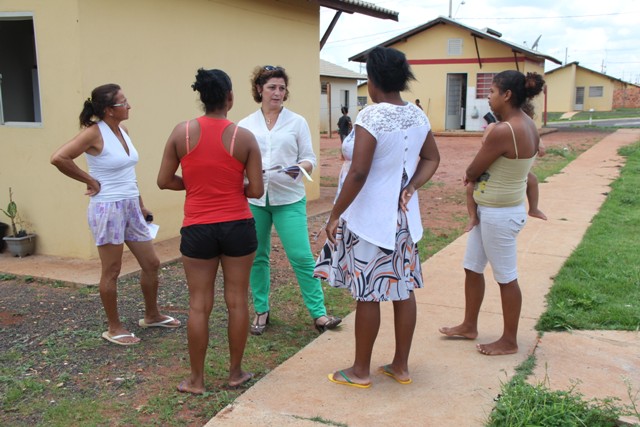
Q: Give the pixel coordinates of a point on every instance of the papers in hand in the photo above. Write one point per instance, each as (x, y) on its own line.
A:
(296, 169)
(153, 229)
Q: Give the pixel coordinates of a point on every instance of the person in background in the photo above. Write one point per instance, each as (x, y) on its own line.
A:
(499, 174)
(344, 124)
(418, 104)
(374, 252)
(116, 213)
(285, 140)
(533, 193)
(218, 228)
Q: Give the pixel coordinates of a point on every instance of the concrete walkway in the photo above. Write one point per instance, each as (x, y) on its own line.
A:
(453, 384)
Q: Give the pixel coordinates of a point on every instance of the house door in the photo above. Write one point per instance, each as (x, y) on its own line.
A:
(456, 100)
(579, 99)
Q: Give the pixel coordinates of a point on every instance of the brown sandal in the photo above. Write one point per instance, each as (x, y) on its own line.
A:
(258, 328)
(331, 323)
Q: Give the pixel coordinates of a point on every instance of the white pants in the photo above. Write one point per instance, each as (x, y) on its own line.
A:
(494, 240)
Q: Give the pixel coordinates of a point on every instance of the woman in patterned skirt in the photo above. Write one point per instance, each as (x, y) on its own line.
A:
(375, 223)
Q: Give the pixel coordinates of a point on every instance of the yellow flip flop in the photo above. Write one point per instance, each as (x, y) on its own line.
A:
(385, 370)
(346, 381)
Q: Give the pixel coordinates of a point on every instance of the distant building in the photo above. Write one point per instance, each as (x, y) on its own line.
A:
(338, 88)
(573, 87)
(454, 65)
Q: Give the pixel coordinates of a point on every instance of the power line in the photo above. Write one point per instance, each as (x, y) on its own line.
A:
(554, 17)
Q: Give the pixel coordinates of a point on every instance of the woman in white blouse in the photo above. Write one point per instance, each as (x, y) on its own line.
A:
(375, 223)
(284, 140)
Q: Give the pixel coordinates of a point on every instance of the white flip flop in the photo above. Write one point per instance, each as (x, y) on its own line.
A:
(162, 324)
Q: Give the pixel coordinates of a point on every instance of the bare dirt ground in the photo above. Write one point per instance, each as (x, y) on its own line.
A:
(49, 333)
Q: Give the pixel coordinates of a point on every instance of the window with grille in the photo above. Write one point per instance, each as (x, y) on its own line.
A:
(454, 47)
(323, 88)
(596, 91)
(483, 84)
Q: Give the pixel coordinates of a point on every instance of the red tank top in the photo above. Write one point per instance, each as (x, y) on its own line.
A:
(214, 179)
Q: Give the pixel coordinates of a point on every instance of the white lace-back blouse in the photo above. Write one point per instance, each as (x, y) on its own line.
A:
(400, 132)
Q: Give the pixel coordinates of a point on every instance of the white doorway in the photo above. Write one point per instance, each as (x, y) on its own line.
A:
(456, 100)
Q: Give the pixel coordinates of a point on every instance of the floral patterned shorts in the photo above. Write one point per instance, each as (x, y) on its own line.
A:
(113, 223)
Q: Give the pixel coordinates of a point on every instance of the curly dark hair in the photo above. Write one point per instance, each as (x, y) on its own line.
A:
(388, 69)
(262, 74)
(101, 98)
(214, 87)
(524, 88)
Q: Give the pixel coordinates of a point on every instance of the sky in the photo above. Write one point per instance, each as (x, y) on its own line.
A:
(603, 36)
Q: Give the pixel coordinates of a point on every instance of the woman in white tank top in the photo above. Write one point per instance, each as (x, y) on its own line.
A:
(116, 213)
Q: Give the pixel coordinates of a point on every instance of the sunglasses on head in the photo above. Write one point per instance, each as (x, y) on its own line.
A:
(271, 68)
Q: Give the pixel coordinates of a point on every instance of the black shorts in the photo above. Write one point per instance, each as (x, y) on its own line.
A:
(206, 241)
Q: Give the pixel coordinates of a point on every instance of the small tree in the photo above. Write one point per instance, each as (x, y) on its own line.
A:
(12, 213)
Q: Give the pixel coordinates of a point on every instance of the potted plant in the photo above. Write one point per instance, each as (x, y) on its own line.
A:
(19, 242)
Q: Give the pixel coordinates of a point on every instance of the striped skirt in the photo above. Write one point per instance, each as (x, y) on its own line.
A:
(373, 274)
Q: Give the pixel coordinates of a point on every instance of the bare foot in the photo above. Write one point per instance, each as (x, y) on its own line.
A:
(497, 348)
(472, 223)
(537, 213)
(459, 331)
(241, 381)
(186, 387)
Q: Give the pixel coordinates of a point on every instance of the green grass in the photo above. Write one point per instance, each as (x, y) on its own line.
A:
(599, 285)
(553, 162)
(619, 113)
(523, 404)
(597, 288)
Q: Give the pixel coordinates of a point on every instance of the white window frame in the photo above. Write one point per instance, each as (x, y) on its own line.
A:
(37, 100)
(596, 91)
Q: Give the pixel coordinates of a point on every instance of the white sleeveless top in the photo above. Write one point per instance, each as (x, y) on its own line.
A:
(400, 132)
(113, 168)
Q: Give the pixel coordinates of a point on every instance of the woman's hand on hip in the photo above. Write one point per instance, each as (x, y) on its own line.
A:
(93, 188)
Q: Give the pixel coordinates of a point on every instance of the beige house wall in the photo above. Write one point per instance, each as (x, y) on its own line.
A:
(588, 79)
(561, 89)
(152, 48)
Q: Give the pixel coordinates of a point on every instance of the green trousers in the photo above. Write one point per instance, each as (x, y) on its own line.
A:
(291, 224)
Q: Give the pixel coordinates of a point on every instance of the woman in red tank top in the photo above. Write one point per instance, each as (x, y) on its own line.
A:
(218, 229)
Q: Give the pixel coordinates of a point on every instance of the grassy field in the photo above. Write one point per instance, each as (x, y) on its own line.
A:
(598, 288)
(596, 115)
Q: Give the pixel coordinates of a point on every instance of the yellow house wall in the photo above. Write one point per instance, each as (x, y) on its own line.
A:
(152, 48)
(586, 79)
(431, 84)
(561, 89)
